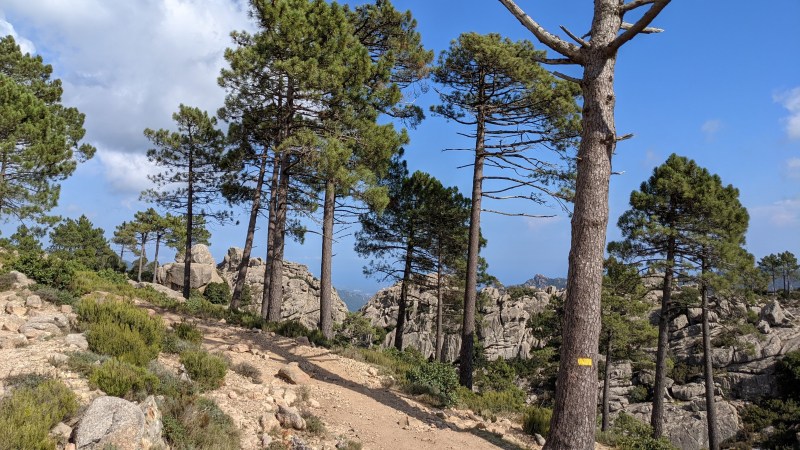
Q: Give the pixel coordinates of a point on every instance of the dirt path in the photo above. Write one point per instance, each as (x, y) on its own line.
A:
(347, 395)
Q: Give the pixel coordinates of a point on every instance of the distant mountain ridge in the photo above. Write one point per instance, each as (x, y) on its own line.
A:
(354, 299)
(540, 281)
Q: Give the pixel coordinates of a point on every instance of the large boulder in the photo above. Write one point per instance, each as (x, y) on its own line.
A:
(686, 427)
(203, 271)
(773, 314)
(112, 422)
(300, 288)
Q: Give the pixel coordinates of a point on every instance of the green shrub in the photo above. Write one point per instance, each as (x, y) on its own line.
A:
(436, 379)
(314, 424)
(205, 369)
(639, 394)
(193, 422)
(121, 330)
(29, 412)
(84, 363)
(199, 306)
(357, 330)
(628, 433)
(536, 420)
(782, 415)
(188, 332)
(175, 345)
(6, 281)
(248, 370)
(788, 373)
(53, 295)
(246, 297)
(291, 328)
(489, 403)
(218, 293)
(51, 271)
(170, 385)
(120, 379)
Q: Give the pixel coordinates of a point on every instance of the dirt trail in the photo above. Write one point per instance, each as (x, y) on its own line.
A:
(348, 396)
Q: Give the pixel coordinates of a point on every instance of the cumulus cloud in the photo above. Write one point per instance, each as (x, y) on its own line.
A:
(710, 128)
(539, 223)
(128, 65)
(791, 101)
(126, 173)
(793, 168)
(7, 29)
(783, 213)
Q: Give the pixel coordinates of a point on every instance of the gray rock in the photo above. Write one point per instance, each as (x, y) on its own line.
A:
(763, 326)
(172, 294)
(77, 340)
(687, 429)
(773, 314)
(296, 443)
(202, 255)
(679, 323)
(293, 374)
(153, 426)
(13, 341)
(687, 392)
(539, 439)
(290, 417)
(33, 301)
(20, 280)
(61, 432)
(111, 421)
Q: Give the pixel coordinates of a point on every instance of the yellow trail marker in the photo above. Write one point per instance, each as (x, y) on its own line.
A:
(584, 361)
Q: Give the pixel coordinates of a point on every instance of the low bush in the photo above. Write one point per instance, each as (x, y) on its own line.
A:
(50, 271)
(536, 420)
(248, 370)
(639, 394)
(628, 433)
(199, 306)
(120, 379)
(205, 369)
(314, 424)
(218, 293)
(53, 295)
(122, 330)
(490, 403)
(193, 422)
(188, 332)
(788, 374)
(6, 281)
(29, 412)
(175, 345)
(436, 379)
(170, 385)
(357, 330)
(782, 415)
(84, 363)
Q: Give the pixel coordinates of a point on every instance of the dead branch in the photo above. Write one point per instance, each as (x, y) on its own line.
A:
(554, 42)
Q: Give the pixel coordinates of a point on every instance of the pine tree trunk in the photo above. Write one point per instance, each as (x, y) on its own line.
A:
(659, 389)
(241, 271)
(606, 378)
(187, 258)
(401, 311)
(708, 366)
(271, 218)
(439, 338)
(575, 411)
(329, 208)
(155, 258)
(467, 350)
(278, 243)
(141, 259)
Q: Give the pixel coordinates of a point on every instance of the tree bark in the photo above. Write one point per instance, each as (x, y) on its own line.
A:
(329, 208)
(241, 271)
(155, 258)
(278, 241)
(575, 408)
(141, 259)
(465, 366)
(604, 425)
(708, 369)
(659, 389)
(401, 311)
(187, 258)
(271, 218)
(439, 339)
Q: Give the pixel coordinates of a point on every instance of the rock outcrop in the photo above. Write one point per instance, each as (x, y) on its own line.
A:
(202, 271)
(503, 330)
(112, 422)
(300, 288)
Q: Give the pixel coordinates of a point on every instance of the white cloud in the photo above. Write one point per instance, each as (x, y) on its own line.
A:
(126, 173)
(128, 65)
(538, 223)
(7, 29)
(793, 168)
(791, 101)
(783, 213)
(710, 128)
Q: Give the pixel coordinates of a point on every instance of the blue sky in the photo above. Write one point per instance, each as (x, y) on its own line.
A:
(721, 85)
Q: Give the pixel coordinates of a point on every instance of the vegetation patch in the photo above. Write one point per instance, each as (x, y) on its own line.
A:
(437, 379)
(248, 370)
(29, 412)
(192, 422)
(536, 420)
(120, 379)
(218, 293)
(205, 369)
(627, 433)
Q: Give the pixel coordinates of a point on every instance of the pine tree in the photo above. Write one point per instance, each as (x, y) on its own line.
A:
(574, 415)
(192, 162)
(683, 220)
(788, 269)
(79, 241)
(125, 237)
(512, 106)
(771, 265)
(40, 139)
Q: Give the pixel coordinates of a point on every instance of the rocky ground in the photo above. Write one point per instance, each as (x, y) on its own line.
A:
(348, 396)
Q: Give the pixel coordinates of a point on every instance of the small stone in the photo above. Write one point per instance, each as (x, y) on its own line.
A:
(539, 439)
(77, 340)
(239, 348)
(13, 341)
(290, 417)
(293, 374)
(372, 371)
(61, 431)
(268, 422)
(763, 326)
(65, 309)
(266, 440)
(289, 397)
(303, 340)
(15, 309)
(222, 321)
(58, 359)
(313, 403)
(33, 301)
(233, 395)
